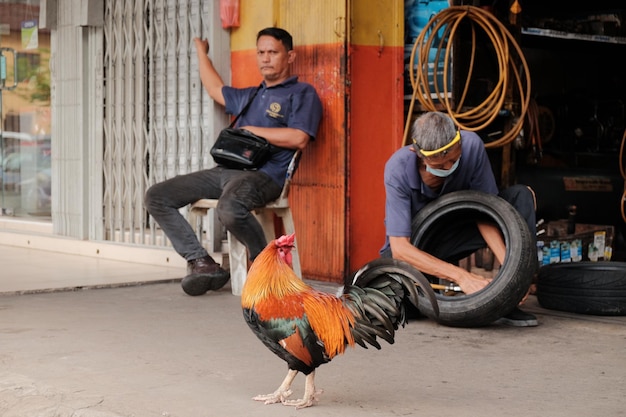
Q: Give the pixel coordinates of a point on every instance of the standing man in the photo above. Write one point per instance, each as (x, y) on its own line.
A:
(286, 112)
(441, 160)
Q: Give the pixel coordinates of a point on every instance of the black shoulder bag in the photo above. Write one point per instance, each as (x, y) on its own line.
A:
(239, 148)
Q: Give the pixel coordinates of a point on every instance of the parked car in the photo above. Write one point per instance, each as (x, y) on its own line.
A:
(25, 162)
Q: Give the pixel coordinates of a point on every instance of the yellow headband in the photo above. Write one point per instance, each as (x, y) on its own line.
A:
(457, 138)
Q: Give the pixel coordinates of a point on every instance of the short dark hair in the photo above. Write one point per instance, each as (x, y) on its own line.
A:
(279, 34)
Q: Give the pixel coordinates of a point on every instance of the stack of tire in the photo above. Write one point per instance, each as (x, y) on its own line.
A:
(579, 287)
(595, 288)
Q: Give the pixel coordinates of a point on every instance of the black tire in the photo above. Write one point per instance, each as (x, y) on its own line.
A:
(595, 288)
(512, 281)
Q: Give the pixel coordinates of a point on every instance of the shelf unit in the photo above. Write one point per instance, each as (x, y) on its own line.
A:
(550, 33)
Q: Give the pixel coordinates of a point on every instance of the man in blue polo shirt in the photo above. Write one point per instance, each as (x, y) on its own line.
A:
(441, 160)
(284, 111)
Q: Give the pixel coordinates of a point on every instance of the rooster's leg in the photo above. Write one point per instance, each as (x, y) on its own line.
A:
(309, 396)
(281, 394)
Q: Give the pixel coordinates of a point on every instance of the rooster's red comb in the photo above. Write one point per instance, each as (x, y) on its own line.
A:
(286, 240)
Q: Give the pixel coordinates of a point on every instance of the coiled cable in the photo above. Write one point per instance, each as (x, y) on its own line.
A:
(512, 83)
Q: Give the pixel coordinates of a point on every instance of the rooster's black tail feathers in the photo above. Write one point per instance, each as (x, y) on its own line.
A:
(376, 296)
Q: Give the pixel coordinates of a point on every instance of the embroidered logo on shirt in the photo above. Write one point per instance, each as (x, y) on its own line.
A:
(274, 111)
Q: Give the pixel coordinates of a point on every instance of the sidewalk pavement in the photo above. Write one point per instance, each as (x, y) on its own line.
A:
(142, 348)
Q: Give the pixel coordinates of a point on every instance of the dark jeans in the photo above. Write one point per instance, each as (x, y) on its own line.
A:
(239, 192)
(455, 243)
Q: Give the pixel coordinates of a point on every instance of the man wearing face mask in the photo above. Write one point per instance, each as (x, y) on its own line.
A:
(443, 159)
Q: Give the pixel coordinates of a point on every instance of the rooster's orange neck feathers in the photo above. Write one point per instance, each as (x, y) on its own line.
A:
(270, 274)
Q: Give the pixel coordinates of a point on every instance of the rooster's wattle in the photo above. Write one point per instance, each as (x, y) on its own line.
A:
(307, 327)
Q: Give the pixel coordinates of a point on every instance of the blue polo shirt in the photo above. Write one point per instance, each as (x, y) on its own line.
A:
(406, 193)
(289, 104)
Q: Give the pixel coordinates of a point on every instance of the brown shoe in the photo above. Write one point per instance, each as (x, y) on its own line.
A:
(204, 274)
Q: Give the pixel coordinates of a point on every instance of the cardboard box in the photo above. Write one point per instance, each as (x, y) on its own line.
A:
(589, 242)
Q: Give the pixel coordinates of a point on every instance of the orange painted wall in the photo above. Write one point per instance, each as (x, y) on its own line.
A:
(318, 193)
(375, 133)
(353, 54)
(376, 119)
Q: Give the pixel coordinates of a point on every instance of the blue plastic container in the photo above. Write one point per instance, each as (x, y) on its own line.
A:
(417, 14)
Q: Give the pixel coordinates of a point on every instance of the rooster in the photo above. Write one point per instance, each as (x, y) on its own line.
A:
(307, 328)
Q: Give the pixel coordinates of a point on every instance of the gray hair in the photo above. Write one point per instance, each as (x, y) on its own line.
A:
(433, 130)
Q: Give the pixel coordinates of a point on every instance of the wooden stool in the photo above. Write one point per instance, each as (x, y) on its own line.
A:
(276, 210)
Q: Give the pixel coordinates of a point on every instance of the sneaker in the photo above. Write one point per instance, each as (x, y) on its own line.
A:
(518, 318)
(204, 274)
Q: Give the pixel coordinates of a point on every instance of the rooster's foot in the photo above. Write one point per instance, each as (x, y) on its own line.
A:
(281, 393)
(278, 396)
(306, 401)
(310, 394)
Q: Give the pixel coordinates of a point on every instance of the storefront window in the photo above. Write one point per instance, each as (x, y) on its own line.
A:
(25, 140)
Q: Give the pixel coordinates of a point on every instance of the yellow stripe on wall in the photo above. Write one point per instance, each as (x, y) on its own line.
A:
(377, 22)
(309, 22)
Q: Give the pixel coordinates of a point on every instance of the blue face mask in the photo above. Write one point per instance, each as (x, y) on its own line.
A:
(442, 173)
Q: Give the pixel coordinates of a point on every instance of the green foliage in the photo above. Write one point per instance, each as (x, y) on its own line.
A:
(41, 91)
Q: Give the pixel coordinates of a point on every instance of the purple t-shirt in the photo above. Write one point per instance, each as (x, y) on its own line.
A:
(406, 193)
(289, 104)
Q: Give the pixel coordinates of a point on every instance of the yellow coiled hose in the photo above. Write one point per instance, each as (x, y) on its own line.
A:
(509, 57)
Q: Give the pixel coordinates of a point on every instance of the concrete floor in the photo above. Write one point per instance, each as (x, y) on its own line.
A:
(130, 343)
